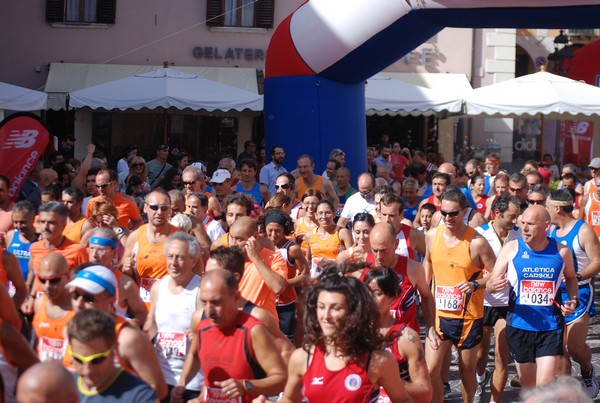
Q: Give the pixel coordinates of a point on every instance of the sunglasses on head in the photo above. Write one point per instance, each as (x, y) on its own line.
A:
(50, 280)
(188, 183)
(155, 207)
(103, 186)
(93, 359)
(89, 298)
(445, 213)
(284, 186)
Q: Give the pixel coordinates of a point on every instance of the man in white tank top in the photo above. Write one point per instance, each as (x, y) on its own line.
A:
(173, 300)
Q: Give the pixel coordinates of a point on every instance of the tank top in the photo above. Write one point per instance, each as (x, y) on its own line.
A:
(480, 204)
(151, 264)
(20, 250)
(227, 354)
(300, 230)
(52, 343)
(534, 279)
(9, 373)
(349, 384)
(301, 187)
(592, 213)
(571, 240)
(398, 328)
(323, 249)
(451, 265)
(289, 294)
(404, 248)
(370, 258)
(254, 192)
(173, 315)
(410, 213)
(73, 232)
(404, 308)
(431, 199)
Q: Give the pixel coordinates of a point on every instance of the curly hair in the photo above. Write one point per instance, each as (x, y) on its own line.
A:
(358, 333)
(102, 207)
(279, 217)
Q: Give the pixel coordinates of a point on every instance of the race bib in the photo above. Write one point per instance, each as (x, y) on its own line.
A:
(536, 292)
(216, 395)
(172, 344)
(595, 218)
(51, 349)
(448, 298)
(315, 270)
(145, 286)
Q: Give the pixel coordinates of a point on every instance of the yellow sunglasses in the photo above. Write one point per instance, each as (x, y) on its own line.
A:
(93, 359)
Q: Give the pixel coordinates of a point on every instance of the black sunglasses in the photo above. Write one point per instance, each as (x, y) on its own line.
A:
(103, 186)
(284, 186)
(50, 280)
(155, 207)
(137, 164)
(450, 213)
(541, 202)
(188, 183)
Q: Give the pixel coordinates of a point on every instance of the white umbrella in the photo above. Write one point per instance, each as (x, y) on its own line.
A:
(539, 93)
(166, 88)
(16, 98)
(386, 96)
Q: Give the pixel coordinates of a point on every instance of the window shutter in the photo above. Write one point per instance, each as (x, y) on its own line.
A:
(55, 10)
(264, 13)
(106, 11)
(214, 9)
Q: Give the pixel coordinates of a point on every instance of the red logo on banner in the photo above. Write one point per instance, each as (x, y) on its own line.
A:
(23, 139)
(576, 136)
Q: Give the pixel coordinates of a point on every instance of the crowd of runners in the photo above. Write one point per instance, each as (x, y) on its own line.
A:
(155, 281)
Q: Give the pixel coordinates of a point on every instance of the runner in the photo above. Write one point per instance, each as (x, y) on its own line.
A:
(47, 382)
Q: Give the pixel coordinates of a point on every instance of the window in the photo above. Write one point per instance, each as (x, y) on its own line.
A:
(240, 13)
(81, 11)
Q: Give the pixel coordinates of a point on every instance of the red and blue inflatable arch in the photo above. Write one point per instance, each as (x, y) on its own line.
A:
(320, 56)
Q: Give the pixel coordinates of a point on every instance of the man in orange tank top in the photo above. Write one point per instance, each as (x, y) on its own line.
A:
(144, 257)
(453, 265)
(309, 180)
(589, 208)
(53, 310)
(95, 288)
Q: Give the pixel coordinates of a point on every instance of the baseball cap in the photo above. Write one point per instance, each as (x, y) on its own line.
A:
(220, 176)
(595, 163)
(200, 166)
(95, 279)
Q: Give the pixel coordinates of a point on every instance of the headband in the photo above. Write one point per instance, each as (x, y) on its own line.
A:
(561, 203)
(95, 240)
(276, 218)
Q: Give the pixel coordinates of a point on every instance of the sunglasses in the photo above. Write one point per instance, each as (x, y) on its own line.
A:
(89, 298)
(516, 189)
(103, 186)
(93, 359)
(50, 280)
(188, 183)
(284, 186)
(137, 164)
(540, 202)
(155, 207)
(365, 192)
(445, 213)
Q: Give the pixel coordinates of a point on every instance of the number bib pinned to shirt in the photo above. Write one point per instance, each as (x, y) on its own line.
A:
(172, 344)
(536, 292)
(448, 298)
(216, 395)
(145, 286)
(51, 349)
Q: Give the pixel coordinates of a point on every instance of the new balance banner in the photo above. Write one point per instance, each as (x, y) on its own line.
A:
(23, 139)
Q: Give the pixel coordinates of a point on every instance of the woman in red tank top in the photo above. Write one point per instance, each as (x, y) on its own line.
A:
(343, 358)
(405, 344)
(360, 251)
(477, 188)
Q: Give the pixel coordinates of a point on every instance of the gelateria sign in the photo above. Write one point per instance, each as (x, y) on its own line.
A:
(212, 52)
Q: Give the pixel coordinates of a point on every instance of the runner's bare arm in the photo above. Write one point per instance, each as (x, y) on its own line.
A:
(192, 362)
(384, 368)
(591, 245)
(497, 281)
(13, 272)
(419, 387)
(296, 369)
(128, 265)
(135, 306)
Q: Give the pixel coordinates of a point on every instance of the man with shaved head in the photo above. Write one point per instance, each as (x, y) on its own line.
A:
(47, 382)
(265, 271)
(534, 267)
(52, 310)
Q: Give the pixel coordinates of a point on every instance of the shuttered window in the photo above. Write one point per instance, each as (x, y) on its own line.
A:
(240, 13)
(81, 11)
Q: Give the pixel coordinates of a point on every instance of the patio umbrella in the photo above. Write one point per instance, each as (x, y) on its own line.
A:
(541, 93)
(386, 96)
(16, 98)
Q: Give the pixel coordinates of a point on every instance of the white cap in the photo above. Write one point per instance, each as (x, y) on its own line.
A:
(220, 176)
(95, 279)
(200, 166)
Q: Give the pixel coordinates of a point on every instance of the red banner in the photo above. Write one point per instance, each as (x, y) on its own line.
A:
(576, 137)
(23, 139)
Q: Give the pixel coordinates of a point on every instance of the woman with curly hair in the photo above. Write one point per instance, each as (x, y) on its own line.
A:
(344, 357)
(104, 215)
(277, 226)
(405, 343)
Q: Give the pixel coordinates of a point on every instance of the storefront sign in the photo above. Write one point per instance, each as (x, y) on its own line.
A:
(210, 52)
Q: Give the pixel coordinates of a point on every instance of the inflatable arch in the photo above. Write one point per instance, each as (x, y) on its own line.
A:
(320, 56)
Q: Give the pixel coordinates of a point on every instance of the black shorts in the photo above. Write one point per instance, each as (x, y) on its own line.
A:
(287, 319)
(492, 314)
(525, 345)
(464, 333)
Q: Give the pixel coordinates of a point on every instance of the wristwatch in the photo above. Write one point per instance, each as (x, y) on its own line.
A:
(475, 285)
(247, 386)
(579, 276)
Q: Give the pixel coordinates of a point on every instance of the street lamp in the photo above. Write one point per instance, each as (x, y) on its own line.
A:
(562, 56)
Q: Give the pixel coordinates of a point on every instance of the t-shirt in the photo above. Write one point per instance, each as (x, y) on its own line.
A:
(154, 169)
(125, 388)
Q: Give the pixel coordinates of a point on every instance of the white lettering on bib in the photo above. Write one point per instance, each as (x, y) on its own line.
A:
(536, 292)
(595, 218)
(448, 298)
(172, 344)
(145, 286)
(51, 349)
(216, 395)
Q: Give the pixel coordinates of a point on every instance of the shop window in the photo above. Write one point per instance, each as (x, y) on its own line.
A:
(240, 13)
(81, 11)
